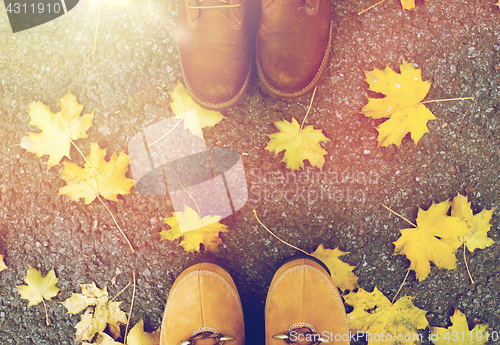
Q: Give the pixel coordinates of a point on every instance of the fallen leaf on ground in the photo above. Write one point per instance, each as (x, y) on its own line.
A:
(199, 230)
(498, 3)
(436, 238)
(182, 103)
(85, 183)
(102, 312)
(38, 287)
(118, 3)
(408, 4)
(86, 328)
(374, 314)
(478, 225)
(401, 104)
(299, 144)
(57, 129)
(3, 266)
(341, 272)
(104, 339)
(91, 295)
(137, 336)
(459, 333)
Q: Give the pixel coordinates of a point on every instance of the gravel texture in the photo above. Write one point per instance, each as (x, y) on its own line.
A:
(127, 83)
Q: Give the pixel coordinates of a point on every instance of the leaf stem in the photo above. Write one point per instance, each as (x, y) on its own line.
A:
(80, 151)
(447, 99)
(164, 135)
(121, 291)
(369, 8)
(308, 109)
(467, 266)
(397, 214)
(111, 213)
(198, 207)
(131, 307)
(288, 244)
(401, 286)
(47, 321)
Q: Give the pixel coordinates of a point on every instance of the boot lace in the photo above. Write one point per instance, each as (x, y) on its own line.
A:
(302, 332)
(225, 4)
(219, 338)
(311, 6)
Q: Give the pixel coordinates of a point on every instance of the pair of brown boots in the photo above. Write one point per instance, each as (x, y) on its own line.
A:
(292, 48)
(303, 307)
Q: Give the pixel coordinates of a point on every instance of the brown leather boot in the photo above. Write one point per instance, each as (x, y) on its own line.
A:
(214, 51)
(203, 308)
(304, 307)
(292, 45)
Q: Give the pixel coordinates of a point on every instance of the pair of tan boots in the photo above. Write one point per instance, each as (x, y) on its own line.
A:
(292, 47)
(303, 307)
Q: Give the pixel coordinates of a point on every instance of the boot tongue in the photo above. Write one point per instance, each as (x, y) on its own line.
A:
(267, 6)
(237, 13)
(192, 13)
(312, 7)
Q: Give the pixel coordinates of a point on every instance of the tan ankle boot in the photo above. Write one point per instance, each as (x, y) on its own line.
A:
(292, 45)
(214, 51)
(304, 307)
(203, 308)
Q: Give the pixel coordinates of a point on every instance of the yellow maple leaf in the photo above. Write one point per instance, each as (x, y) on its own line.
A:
(183, 105)
(85, 183)
(382, 321)
(458, 333)
(58, 130)
(91, 295)
(102, 312)
(341, 272)
(478, 225)
(38, 287)
(86, 328)
(402, 104)
(104, 339)
(118, 3)
(299, 144)
(435, 239)
(498, 3)
(115, 316)
(3, 266)
(408, 4)
(199, 230)
(137, 336)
